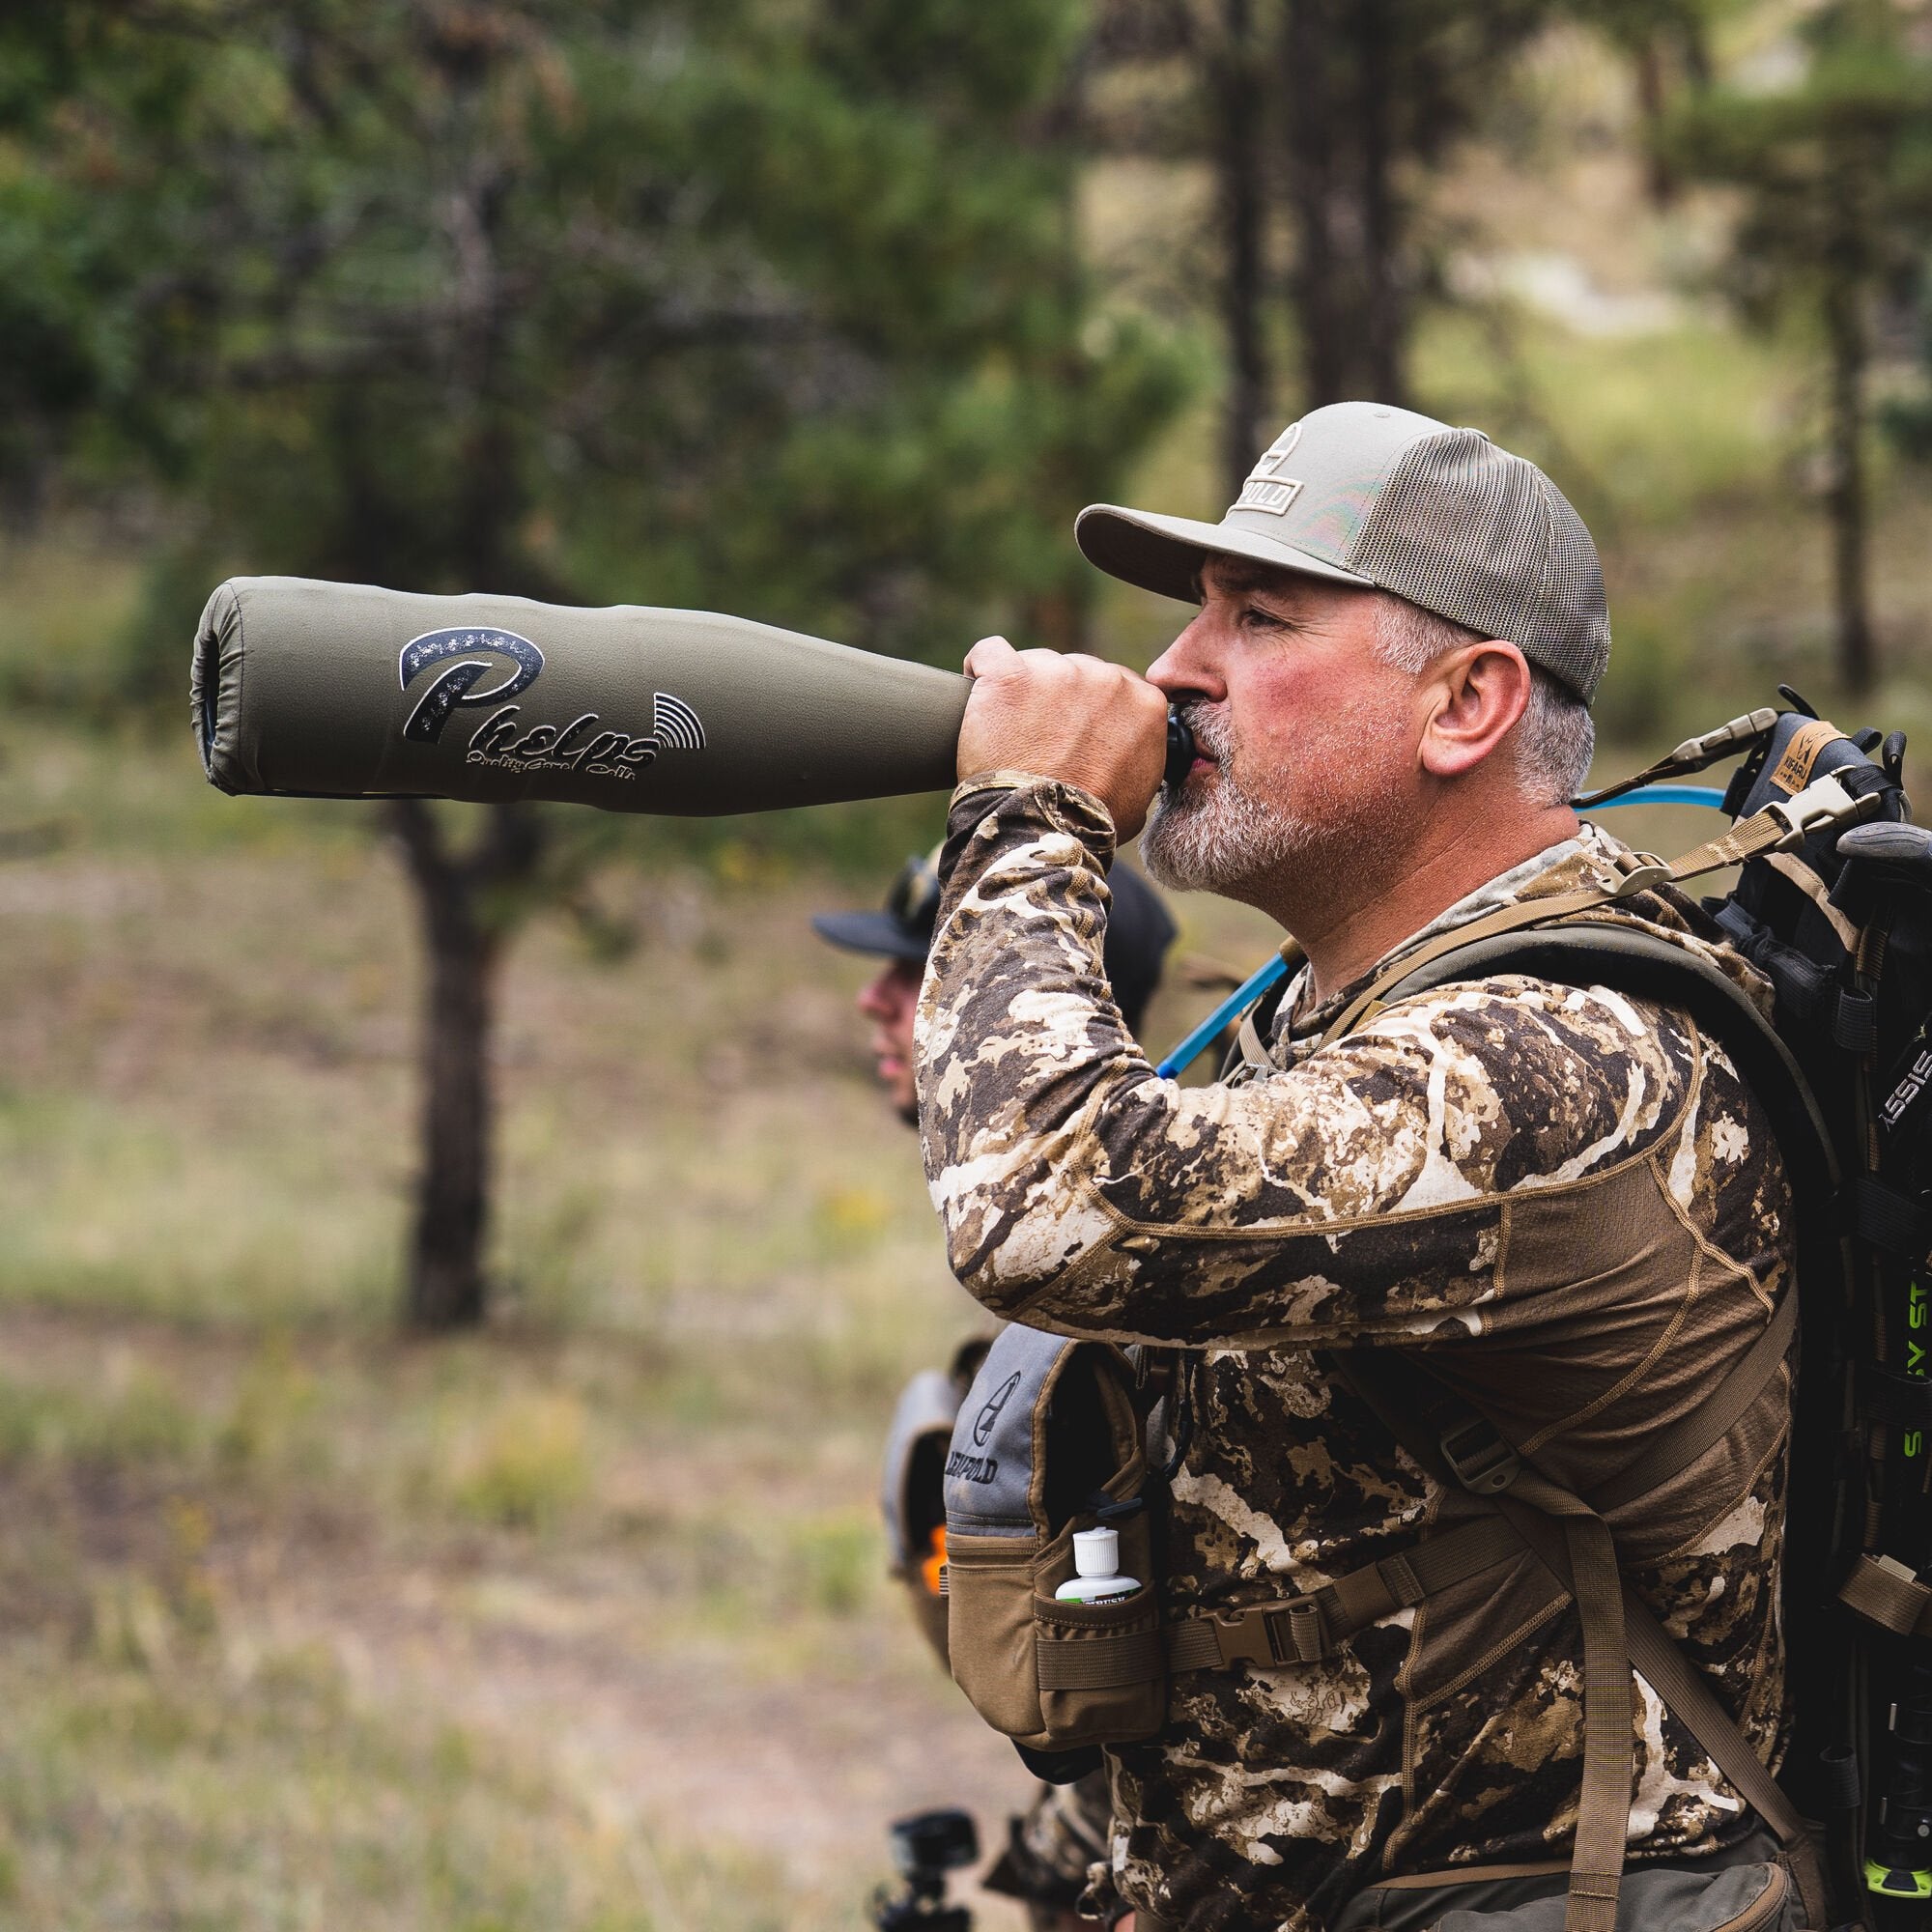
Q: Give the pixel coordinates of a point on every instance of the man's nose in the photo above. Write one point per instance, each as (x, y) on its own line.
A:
(875, 1000)
(1190, 666)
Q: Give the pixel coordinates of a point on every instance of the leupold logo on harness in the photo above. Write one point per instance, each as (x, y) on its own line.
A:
(468, 654)
(967, 1468)
(989, 1413)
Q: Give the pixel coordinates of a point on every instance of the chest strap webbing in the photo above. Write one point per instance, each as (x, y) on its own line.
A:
(1306, 1629)
(1404, 1393)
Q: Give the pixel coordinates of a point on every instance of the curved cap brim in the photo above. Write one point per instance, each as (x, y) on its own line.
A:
(878, 933)
(1165, 554)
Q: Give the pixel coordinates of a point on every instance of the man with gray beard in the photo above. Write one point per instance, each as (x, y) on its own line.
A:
(1559, 1201)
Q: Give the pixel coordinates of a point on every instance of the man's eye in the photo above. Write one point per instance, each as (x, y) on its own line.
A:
(1258, 619)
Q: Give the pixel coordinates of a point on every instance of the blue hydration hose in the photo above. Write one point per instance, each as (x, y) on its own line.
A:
(1195, 1044)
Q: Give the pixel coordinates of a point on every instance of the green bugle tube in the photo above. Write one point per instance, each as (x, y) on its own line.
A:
(308, 688)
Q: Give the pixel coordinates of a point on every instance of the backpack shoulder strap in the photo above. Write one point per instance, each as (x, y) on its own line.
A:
(1783, 825)
(1620, 1631)
(1584, 949)
(1602, 952)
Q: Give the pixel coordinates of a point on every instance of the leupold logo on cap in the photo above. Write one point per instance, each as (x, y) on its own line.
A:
(1266, 488)
(469, 653)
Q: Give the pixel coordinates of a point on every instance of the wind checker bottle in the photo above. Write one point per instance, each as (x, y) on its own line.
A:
(1833, 905)
(1096, 1565)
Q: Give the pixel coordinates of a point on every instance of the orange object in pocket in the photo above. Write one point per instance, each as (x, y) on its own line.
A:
(930, 1567)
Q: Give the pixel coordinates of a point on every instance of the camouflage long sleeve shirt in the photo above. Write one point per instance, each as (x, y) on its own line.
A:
(1564, 1194)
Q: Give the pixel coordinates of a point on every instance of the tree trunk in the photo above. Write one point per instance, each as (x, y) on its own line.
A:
(447, 1285)
(1306, 47)
(1659, 175)
(1382, 330)
(1341, 83)
(1245, 427)
(1845, 498)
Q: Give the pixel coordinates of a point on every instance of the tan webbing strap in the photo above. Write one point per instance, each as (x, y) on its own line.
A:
(1575, 1545)
(1102, 1663)
(1248, 1041)
(1603, 1812)
(1884, 1592)
(1540, 1514)
(1253, 1048)
(1689, 1698)
(1304, 1630)
(1680, 1445)
(1651, 1650)
(1505, 919)
(1789, 866)
(1780, 824)
(1687, 1693)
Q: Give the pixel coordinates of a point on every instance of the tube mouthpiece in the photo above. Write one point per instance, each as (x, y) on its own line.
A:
(1180, 750)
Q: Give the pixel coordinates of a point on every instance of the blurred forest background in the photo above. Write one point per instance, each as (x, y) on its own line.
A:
(496, 1549)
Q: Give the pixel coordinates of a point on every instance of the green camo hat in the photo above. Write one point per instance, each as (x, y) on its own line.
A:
(1363, 493)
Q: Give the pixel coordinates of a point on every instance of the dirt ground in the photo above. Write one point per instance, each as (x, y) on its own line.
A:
(580, 1621)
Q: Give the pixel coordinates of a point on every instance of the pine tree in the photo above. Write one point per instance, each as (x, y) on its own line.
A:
(1834, 174)
(765, 307)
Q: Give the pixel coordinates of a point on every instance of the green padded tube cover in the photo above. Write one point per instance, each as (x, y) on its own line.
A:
(344, 691)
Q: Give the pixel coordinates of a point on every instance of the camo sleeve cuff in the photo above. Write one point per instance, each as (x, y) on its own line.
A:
(1067, 807)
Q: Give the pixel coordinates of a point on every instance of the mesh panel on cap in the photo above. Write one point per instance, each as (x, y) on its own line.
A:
(1475, 534)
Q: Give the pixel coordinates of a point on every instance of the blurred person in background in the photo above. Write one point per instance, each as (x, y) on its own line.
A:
(1063, 1834)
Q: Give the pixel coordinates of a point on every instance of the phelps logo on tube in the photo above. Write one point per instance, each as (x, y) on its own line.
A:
(348, 691)
(455, 684)
(464, 657)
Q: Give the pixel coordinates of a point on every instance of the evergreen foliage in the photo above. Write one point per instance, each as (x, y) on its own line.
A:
(774, 309)
(762, 307)
(1834, 178)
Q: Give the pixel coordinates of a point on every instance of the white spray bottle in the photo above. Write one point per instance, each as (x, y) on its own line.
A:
(1097, 1558)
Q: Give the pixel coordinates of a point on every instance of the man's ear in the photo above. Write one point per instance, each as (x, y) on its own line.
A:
(1471, 699)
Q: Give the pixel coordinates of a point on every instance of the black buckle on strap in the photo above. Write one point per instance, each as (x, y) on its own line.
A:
(1904, 1401)
(1479, 1459)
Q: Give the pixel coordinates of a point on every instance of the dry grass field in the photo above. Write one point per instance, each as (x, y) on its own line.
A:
(576, 1623)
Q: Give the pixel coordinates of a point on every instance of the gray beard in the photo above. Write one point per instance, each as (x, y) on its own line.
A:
(1222, 836)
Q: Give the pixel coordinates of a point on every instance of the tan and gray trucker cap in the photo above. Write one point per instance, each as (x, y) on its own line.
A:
(1364, 493)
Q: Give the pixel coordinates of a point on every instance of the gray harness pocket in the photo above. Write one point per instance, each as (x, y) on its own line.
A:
(1754, 1897)
(1048, 1437)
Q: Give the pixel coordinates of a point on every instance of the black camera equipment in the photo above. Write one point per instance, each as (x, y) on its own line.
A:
(926, 1847)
